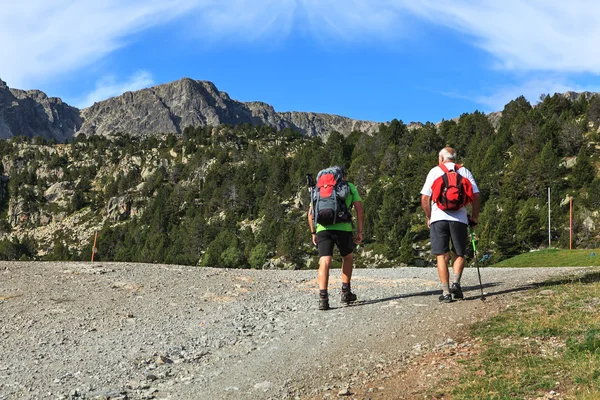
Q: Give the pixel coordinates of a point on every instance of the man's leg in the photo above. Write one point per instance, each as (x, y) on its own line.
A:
(458, 232)
(444, 274)
(345, 242)
(347, 295)
(440, 246)
(458, 267)
(347, 269)
(323, 274)
(323, 279)
(325, 246)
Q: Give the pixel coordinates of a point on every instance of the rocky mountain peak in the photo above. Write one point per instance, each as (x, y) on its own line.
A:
(167, 108)
(170, 107)
(574, 96)
(32, 113)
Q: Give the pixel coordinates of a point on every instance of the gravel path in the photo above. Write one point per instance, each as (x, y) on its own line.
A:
(143, 331)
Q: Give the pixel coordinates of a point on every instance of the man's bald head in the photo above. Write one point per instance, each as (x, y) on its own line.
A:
(447, 154)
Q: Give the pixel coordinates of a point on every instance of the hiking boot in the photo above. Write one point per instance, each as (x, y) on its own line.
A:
(456, 291)
(323, 303)
(446, 298)
(348, 297)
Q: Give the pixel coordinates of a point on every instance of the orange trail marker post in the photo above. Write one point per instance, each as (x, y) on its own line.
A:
(94, 249)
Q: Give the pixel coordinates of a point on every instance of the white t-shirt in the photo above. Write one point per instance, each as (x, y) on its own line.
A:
(447, 215)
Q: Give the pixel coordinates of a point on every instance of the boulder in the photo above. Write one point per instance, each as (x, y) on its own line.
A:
(118, 208)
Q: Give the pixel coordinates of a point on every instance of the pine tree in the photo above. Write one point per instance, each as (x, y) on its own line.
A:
(529, 228)
(505, 234)
(259, 255)
(583, 171)
(406, 249)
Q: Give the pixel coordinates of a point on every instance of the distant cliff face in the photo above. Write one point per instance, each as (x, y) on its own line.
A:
(171, 107)
(167, 108)
(32, 113)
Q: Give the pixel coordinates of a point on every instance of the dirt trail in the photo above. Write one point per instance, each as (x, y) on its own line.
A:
(135, 331)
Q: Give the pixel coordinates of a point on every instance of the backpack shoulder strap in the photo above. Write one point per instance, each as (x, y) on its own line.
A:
(446, 170)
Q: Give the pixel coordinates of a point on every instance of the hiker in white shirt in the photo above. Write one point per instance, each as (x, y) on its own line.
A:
(447, 225)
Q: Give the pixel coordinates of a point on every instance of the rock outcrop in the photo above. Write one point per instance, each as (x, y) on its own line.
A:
(171, 107)
(167, 108)
(574, 96)
(118, 208)
(32, 113)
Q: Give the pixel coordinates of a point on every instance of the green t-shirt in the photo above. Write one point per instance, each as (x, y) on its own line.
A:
(343, 226)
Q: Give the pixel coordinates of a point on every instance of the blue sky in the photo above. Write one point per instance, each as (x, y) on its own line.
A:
(415, 60)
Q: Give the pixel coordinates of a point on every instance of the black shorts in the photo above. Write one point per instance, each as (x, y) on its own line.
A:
(441, 232)
(343, 240)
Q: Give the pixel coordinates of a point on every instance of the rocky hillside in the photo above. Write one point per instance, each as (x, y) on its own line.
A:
(163, 109)
(32, 113)
(171, 107)
(54, 197)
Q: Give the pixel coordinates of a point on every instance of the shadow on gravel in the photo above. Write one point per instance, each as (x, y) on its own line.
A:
(418, 294)
(590, 277)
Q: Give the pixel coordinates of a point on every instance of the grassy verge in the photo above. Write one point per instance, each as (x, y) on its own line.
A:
(554, 258)
(549, 341)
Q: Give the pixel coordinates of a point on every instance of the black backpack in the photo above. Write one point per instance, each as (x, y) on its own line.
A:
(328, 197)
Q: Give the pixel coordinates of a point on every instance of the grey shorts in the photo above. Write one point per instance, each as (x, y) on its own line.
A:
(442, 232)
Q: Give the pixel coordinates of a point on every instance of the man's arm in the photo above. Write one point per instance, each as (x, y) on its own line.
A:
(426, 204)
(311, 225)
(360, 219)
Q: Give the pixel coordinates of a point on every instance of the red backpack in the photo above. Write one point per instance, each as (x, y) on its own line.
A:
(451, 191)
(329, 197)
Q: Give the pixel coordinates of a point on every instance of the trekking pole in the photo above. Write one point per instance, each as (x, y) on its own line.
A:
(310, 181)
(476, 262)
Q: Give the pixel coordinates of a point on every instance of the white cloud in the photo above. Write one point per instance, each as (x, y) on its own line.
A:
(42, 39)
(322, 20)
(109, 87)
(356, 19)
(244, 20)
(542, 35)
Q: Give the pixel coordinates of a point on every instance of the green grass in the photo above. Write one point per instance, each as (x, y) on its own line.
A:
(554, 258)
(550, 340)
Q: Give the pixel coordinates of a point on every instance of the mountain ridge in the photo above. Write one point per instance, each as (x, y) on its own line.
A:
(31, 112)
(161, 109)
(167, 109)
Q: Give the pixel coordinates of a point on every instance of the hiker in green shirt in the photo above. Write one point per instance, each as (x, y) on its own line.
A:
(330, 223)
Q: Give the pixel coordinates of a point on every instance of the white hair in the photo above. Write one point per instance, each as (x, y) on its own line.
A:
(446, 155)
